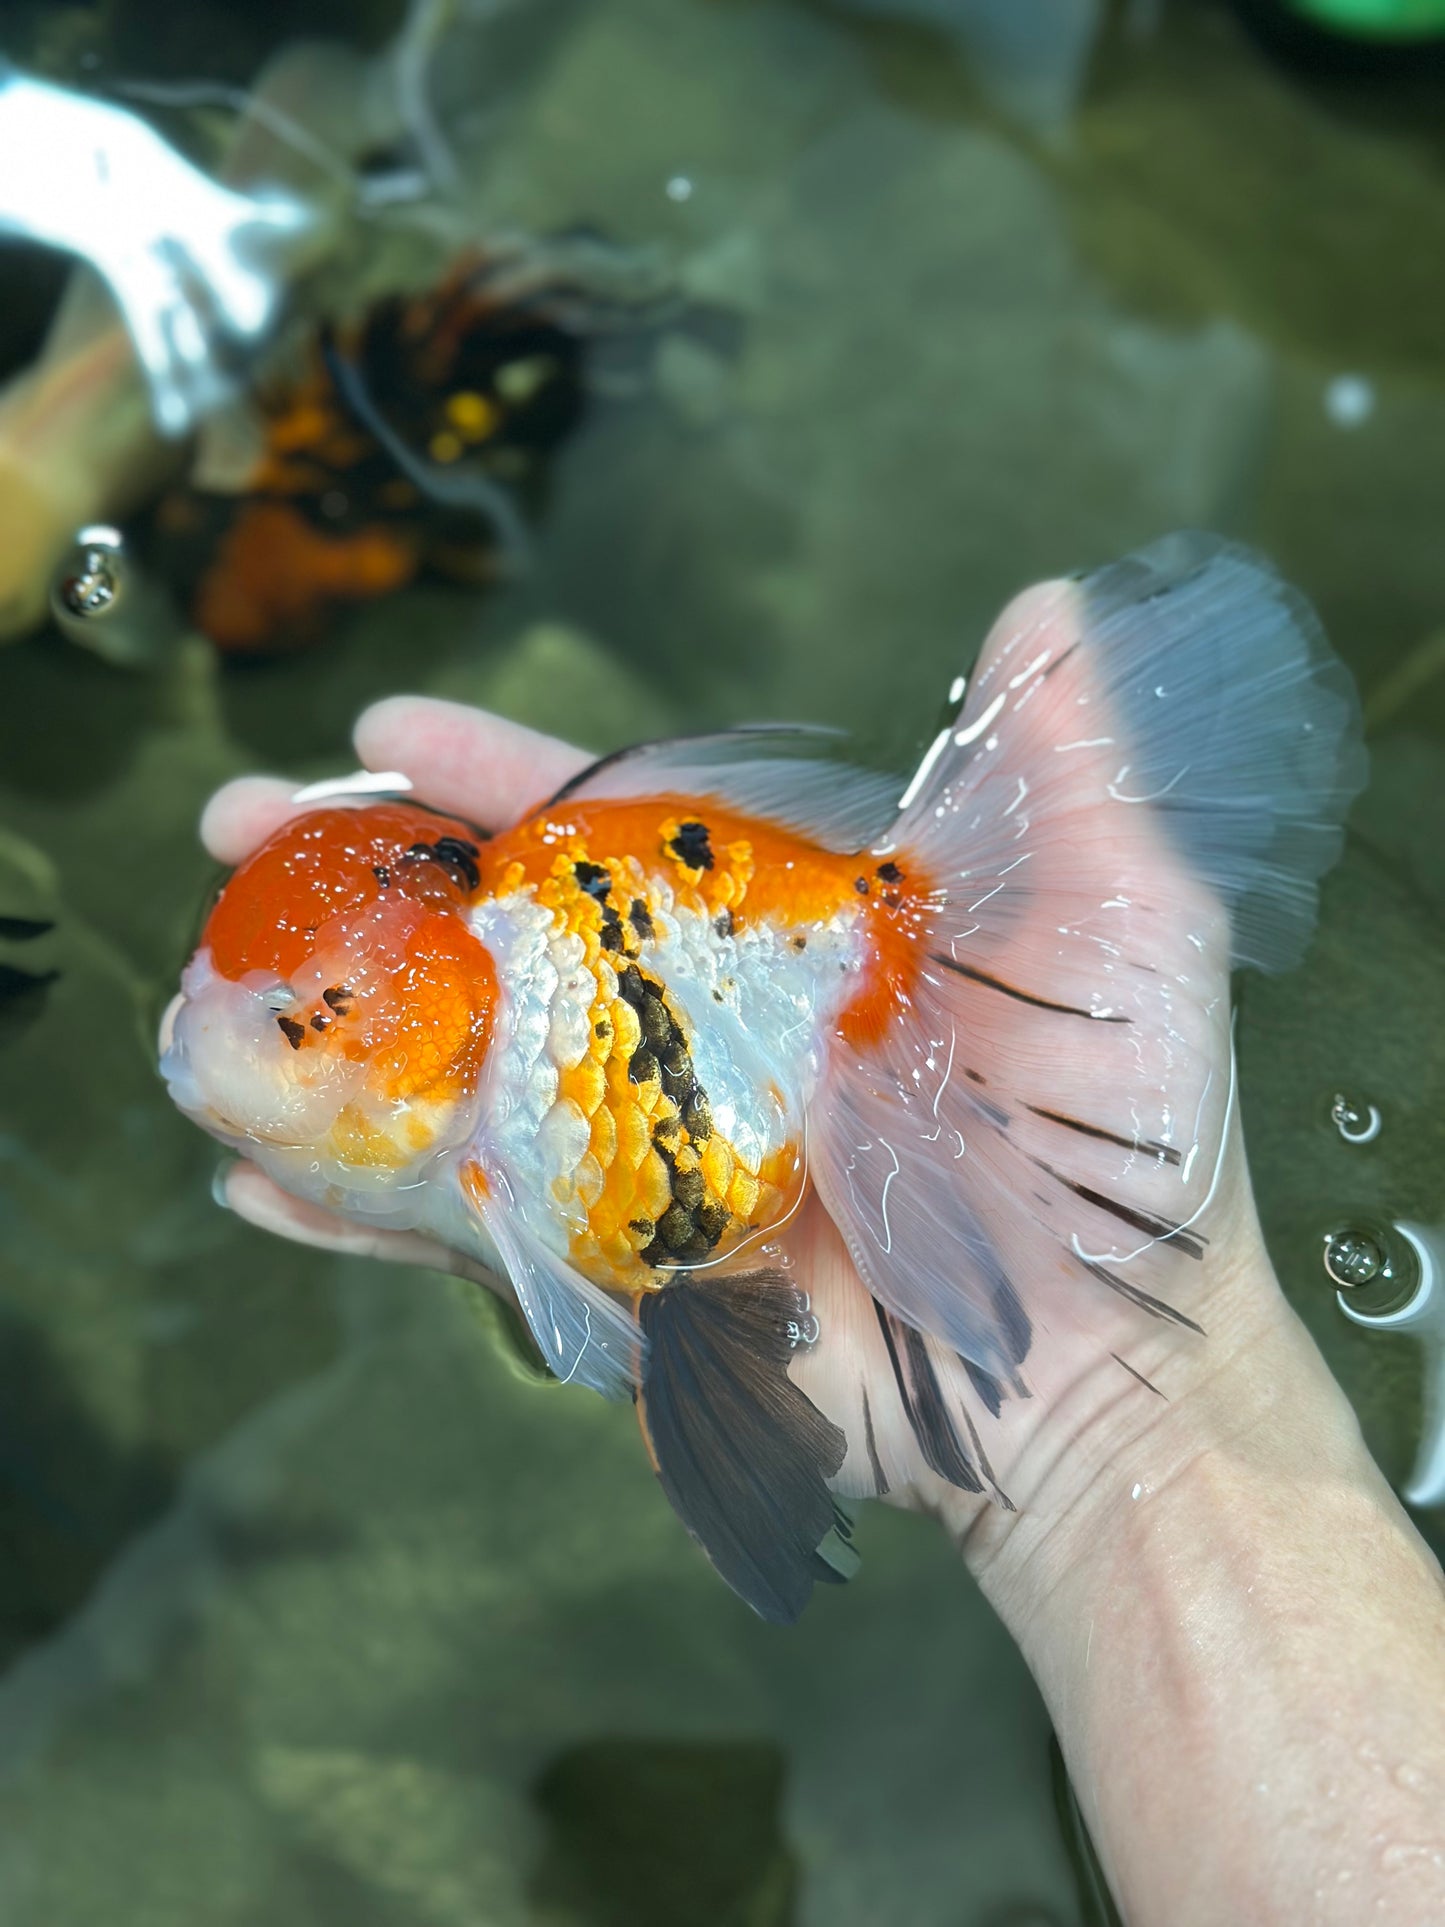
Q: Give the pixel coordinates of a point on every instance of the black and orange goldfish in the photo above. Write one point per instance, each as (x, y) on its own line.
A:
(984, 1024)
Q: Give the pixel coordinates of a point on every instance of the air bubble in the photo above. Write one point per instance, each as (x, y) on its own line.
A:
(1353, 1259)
(93, 577)
(1356, 1120)
(99, 599)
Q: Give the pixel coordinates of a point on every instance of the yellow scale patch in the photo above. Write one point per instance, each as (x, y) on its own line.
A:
(622, 1183)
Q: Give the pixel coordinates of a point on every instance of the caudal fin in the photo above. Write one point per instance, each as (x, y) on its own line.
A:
(1147, 779)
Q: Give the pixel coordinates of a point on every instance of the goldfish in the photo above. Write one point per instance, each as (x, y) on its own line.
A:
(412, 440)
(624, 1052)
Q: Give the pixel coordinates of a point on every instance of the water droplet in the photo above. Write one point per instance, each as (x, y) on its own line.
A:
(1352, 1259)
(1356, 1120)
(92, 578)
(1411, 1853)
(803, 1331)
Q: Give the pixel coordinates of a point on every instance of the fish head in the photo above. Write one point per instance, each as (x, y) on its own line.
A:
(334, 1021)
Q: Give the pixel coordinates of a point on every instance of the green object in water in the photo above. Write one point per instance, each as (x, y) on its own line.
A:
(1377, 19)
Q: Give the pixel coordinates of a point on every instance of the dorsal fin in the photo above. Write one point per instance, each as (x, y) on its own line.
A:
(773, 770)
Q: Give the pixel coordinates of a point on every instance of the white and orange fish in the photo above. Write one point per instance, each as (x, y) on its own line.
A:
(984, 1026)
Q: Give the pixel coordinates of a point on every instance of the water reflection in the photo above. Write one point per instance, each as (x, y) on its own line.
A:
(1421, 1313)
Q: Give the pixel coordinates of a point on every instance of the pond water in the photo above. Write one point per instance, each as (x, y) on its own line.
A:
(317, 1605)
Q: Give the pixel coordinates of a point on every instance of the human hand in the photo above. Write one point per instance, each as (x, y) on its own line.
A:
(1237, 1633)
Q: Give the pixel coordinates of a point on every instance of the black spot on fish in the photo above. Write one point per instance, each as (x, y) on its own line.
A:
(644, 1227)
(676, 1237)
(338, 998)
(689, 1190)
(640, 918)
(461, 855)
(860, 884)
(800, 942)
(630, 987)
(712, 1220)
(724, 923)
(611, 935)
(642, 1067)
(593, 878)
(691, 846)
(382, 875)
(890, 872)
(318, 1022)
(293, 1032)
(453, 854)
(602, 1028)
(656, 1023)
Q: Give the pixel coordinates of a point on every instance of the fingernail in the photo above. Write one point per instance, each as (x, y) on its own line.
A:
(361, 782)
(219, 1180)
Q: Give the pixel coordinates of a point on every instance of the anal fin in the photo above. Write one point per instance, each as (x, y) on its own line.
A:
(742, 1453)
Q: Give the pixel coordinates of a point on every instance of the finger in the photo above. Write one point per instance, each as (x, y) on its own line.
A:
(244, 813)
(252, 1196)
(464, 759)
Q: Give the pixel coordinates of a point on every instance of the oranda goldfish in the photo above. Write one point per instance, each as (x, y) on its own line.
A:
(611, 1050)
(411, 440)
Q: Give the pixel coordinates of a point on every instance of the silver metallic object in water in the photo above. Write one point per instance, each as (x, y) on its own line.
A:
(190, 262)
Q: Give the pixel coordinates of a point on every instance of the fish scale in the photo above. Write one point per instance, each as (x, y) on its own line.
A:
(626, 1150)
